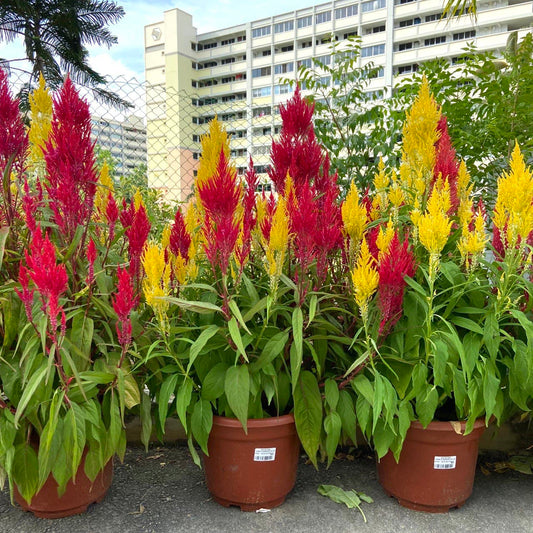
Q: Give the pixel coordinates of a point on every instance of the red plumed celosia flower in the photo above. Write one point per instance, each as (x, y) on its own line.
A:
(70, 162)
(13, 134)
(250, 215)
(49, 278)
(124, 302)
(266, 223)
(297, 151)
(127, 214)
(137, 235)
(91, 258)
(220, 197)
(180, 240)
(111, 210)
(397, 263)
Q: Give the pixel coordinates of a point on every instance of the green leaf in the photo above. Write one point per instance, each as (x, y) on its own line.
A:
(29, 390)
(167, 389)
(351, 498)
(201, 423)
(308, 413)
(199, 343)
(146, 419)
(213, 383)
(377, 401)
(132, 394)
(183, 400)
(297, 353)
(237, 388)
(491, 386)
(362, 386)
(383, 438)
(197, 307)
(235, 334)
(234, 308)
(274, 347)
(332, 427)
(467, 324)
(426, 404)
(312, 308)
(331, 393)
(115, 426)
(346, 410)
(26, 470)
(4, 232)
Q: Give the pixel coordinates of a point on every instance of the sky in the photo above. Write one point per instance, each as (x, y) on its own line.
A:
(126, 58)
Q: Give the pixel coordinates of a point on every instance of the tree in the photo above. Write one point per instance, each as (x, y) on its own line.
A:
(56, 34)
(346, 112)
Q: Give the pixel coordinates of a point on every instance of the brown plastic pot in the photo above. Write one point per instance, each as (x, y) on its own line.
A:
(77, 497)
(436, 468)
(255, 470)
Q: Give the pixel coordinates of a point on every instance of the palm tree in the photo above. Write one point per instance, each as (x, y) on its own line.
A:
(56, 34)
(456, 8)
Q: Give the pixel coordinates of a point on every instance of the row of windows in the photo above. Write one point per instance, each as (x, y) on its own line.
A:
(206, 46)
(372, 5)
(440, 39)
(345, 12)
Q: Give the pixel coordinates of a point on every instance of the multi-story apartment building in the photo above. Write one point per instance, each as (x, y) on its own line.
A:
(125, 140)
(237, 72)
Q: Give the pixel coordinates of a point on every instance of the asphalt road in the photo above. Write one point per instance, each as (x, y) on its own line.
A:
(164, 492)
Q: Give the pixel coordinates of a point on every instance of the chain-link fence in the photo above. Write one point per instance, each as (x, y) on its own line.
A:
(158, 136)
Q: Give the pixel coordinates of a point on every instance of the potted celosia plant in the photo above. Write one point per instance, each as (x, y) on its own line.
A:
(240, 292)
(445, 325)
(67, 308)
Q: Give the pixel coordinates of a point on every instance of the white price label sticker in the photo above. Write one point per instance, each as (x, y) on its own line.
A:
(265, 454)
(445, 462)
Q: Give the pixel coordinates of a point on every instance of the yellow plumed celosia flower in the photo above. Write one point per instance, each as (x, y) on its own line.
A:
(104, 187)
(384, 239)
(434, 226)
(464, 187)
(156, 283)
(464, 211)
(396, 195)
(419, 137)
(138, 200)
(354, 216)
(381, 180)
(215, 141)
(471, 245)
(41, 123)
(278, 242)
(165, 237)
(365, 277)
(513, 204)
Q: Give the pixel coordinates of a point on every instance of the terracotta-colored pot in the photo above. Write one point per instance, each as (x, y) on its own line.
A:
(255, 470)
(77, 497)
(436, 468)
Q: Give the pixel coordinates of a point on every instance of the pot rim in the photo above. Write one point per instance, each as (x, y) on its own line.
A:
(283, 420)
(437, 425)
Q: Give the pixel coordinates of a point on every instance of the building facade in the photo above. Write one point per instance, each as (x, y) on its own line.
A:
(237, 73)
(125, 140)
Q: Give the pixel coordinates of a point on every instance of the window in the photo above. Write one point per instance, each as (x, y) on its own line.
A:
(405, 46)
(207, 46)
(284, 26)
(229, 98)
(323, 17)
(435, 16)
(304, 21)
(406, 69)
(351, 34)
(284, 68)
(435, 40)
(226, 42)
(376, 50)
(283, 89)
(261, 91)
(373, 5)
(345, 12)
(287, 48)
(227, 60)
(261, 32)
(306, 44)
(305, 63)
(261, 112)
(266, 53)
(227, 79)
(405, 1)
(375, 29)
(324, 60)
(259, 72)
(409, 22)
(464, 35)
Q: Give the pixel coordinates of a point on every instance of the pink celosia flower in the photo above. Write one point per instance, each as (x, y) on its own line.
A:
(70, 162)
(124, 302)
(91, 258)
(397, 263)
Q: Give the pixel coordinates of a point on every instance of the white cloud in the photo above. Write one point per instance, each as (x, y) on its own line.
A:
(107, 65)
